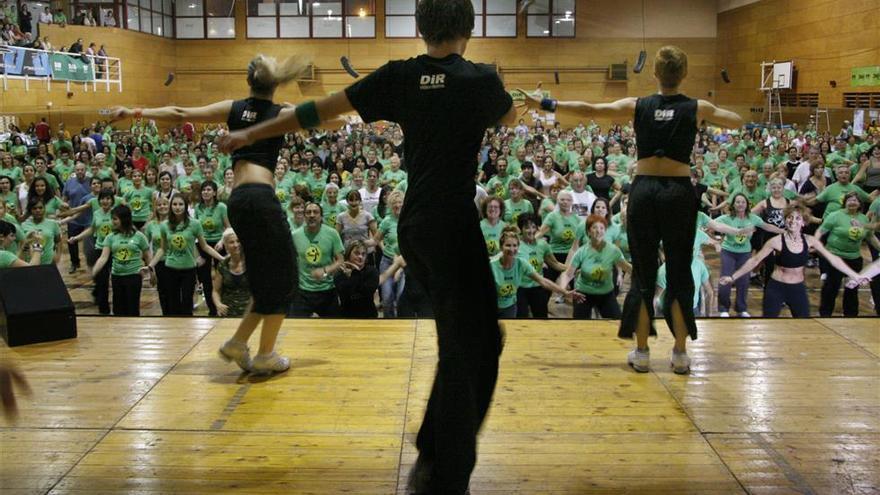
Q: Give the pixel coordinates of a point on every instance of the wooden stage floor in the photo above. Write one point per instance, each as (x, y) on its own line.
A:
(146, 406)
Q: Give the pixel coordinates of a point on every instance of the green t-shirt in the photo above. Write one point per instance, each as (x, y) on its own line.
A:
(534, 254)
(699, 272)
(126, 252)
(19, 235)
(316, 185)
(492, 235)
(13, 173)
(508, 280)
(50, 231)
(388, 228)
(562, 230)
(393, 178)
(64, 169)
(7, 259)
(124, 186)
(617, 235)
(401, 186)
(153, 231)
(845, 233)
(596, 268)
(497, 186)
(52, 206)
(185, 183)
(315, 251)
(833, 196)
(754, 196)
(180, 244)
(141, 203)
(512, 210)
(102, 223)
(739, 243)
(212, 220)
(875, 208)
(332, 212)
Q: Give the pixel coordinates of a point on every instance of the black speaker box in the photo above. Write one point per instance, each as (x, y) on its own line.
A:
(640, 63)
(35, 306)
(617, 72)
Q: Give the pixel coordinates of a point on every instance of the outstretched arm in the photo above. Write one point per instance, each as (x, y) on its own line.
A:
(623, 108)
(215, 112)
(750, 265)
(718, 116)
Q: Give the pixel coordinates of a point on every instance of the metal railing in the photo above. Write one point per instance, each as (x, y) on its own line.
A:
(107, 70)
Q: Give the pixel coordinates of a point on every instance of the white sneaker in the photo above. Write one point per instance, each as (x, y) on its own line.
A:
(823, 277)
(266, 364)
(639, 360)
(681, 363)
(745, 314)
(233, 350)
(724, 314)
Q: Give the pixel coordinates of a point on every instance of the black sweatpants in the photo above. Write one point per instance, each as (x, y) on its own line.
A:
(205, 275)
(179, 291)
(127, 294)
(831, 286)
(606, 304)
(792, 295)
(74, 230)
(162, 287)
(660, 209)
(446, 254)
(261, 226)
(323, 303)
(532, 299)
(102, 289)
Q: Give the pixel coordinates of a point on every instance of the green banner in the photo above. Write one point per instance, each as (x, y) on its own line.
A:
(866, 76)
(67, 68)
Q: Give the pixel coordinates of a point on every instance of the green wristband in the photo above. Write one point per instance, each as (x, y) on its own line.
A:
(307, 115)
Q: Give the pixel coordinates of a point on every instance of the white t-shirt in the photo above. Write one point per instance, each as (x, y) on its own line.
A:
(582, 202)
(369, 200)
(479, 195)
(45, 18)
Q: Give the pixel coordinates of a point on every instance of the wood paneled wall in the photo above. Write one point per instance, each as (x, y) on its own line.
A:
(824, 38)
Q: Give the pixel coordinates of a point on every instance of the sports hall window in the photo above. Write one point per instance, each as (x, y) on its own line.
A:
(492, 18)
(199, 19)
(551, 19)
(311, 19)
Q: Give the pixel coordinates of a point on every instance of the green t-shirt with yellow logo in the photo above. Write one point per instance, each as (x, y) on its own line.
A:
(7, 259)
(508, 280)
(213, 221)
(388, 228)
(141, 202)
(180, 244)
(846, 233)
(315, 251)
(102, 223)
(492, 235)
(534, 254)
(126, 252)
(50, 231)
(153, 231)
(596, 268)
(739, 243)
(834, 195)
(562, 230)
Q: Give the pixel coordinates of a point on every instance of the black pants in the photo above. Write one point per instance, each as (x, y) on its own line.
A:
(179, 287)
(261, 226)
(453, 267)
(414, 301)
(660, 209)
(532, 299)
(162, 287)
(74, 230)
(205, 274)
(322, 303)
(102, 289)
(606, 304)
(832, 285)
(127, 294)
(793, 295)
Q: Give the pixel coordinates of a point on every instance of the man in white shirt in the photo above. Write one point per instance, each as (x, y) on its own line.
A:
(582, 198)
(46, 16)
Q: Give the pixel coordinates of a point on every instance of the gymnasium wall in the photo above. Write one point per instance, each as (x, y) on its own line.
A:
(146, 60)
(608, 31)
(824, 38)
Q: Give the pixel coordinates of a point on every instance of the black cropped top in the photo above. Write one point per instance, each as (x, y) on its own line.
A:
(787, 259)
(246, 113)
(666, 126)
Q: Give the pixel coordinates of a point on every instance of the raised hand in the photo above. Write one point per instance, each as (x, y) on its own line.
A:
(232, 141)
(532, 100)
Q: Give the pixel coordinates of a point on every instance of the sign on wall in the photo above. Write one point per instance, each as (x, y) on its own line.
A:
(866, 76)
(20, 62)
(67, 68)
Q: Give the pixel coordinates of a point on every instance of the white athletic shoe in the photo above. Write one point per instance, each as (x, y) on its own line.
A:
(639, 360)
(823, 277)
(233, 350)
(724, 314)
(681, 363)
(266, 364)
(745, 314)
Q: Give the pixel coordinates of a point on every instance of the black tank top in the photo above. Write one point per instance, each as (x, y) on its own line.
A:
(246, 113)
(666, 126)
(773, 215)
(787, 259)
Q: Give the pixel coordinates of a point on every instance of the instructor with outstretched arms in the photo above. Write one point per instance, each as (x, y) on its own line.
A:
(662, 203)
(444, 104)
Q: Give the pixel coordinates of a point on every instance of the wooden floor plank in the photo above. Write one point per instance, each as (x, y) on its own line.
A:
(770, 407)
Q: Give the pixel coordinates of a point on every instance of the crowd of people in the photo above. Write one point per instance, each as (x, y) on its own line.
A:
(148, 206)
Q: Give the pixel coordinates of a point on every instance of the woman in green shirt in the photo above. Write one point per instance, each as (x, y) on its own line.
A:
(9, 259)
(561, 225)
(42, 190)
(101, 227)
(594, 264)
(139, 199)
(18, 149)
(847, 229)
(491, 224)
(531, 296)
(231, 294)
(735, 252)
(129, 250)
(180, 236)
(212, 215)
(153, 231)
(386, 238)
(511, 271)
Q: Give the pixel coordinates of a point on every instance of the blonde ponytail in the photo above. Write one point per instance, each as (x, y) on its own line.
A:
(265, 73)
